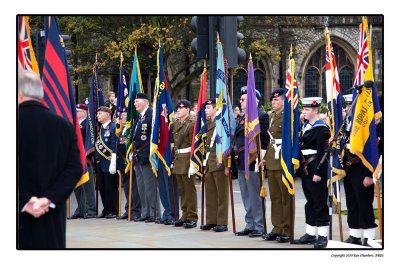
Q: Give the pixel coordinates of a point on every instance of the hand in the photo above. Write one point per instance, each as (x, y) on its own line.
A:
(130, 156)
(37, 206)
(316, 178)
(227, 171)
(367, 182)
(256, 169)
(113, 164)
(330, 140)
(262, 163)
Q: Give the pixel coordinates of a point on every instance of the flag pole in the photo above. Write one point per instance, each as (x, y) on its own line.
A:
(378, 199)
(202, 188)
(130, 192)
(330, 200)
(263, 191)
(339, 207)
(119, 193)
(173, 195)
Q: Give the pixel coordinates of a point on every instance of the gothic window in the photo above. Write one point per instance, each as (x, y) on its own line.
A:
(259, 79)
(312, 82)
(315, 84)
(346, 76)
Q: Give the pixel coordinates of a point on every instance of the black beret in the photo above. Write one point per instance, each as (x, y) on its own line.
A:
(142, 96)
(183, 103)
(277, 93)
(210, 101)
(104, 109)
(243, 91)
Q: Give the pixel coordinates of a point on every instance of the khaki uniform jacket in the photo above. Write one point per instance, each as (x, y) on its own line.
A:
(212, 158)
(183, 133)
(275, 129)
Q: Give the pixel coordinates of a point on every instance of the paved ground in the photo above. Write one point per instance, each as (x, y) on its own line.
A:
(112, 233)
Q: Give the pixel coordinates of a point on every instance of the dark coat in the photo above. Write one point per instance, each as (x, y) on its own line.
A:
(110, 140)
(239, 138)
(141, 136)
(48, 166)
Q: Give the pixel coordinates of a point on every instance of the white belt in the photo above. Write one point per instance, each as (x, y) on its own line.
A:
(276, 141)
(185, 150)
(308, 152)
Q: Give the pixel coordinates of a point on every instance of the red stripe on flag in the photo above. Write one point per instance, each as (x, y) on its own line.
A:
(57, 95)
(52, 100)
(57, 66)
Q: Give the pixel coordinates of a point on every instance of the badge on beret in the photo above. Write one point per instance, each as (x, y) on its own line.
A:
(314, 103)
(143, 137)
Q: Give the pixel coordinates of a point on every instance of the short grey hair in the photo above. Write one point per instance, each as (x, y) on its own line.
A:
(30, 85)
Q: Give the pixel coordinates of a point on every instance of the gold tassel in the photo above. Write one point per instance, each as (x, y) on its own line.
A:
(263, 192)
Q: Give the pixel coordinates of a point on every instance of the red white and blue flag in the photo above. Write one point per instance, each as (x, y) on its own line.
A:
(163, 113)
(335, 117)
(26, 55)
(57, 86)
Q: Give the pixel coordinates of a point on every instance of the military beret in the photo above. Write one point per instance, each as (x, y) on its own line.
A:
(104, 109)
(183, 103)
(82, 106)
(142, 96)
(277, 93)
(243, 91)
(311, 101)
(210, 101)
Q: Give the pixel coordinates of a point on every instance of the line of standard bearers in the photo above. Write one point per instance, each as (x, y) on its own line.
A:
(145, 201)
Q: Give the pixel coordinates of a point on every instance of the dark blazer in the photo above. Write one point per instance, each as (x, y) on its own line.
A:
(83, 130)
(121, 151)
(48, 166)
(110, 139)
(141, 133)
(239, 138)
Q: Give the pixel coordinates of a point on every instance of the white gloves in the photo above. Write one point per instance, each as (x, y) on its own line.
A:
(113, 164)
(192, 171)
(256, 168)
(130, 156)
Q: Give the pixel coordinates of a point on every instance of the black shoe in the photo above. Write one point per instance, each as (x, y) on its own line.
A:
(321, 242)
(207, 227)
(366, 243)
(255, 234)
(141, 219)
(124, 216)
(220, 228)
(135, 218)
(244, 232)
(160, 221)
(101, 215)
(88, 216)
(149, 220)
(354, 240)
(306, 239)
(169, 222)
(111, 215)
(283, 238)
(189, 224)
(270, 236)
(76, 216)
(179, 223)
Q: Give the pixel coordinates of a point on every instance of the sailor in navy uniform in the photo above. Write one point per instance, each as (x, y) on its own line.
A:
(106, 158)
(313, 142)
(359, 189)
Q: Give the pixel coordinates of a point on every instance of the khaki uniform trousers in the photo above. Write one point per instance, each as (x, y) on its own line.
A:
(217, 197)
(187, 190)
(280, 203)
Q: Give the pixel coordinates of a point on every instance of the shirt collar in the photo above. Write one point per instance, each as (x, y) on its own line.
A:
(106, 124)
(144, 112)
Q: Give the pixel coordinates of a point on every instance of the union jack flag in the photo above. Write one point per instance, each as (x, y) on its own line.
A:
(362, 57)
(26, 55)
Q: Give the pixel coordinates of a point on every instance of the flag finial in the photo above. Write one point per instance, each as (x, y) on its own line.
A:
(218, 38)
(205, 65)
(135, 50)
(250, 58)
(96, 57)
(122, 59)
(159, 43)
